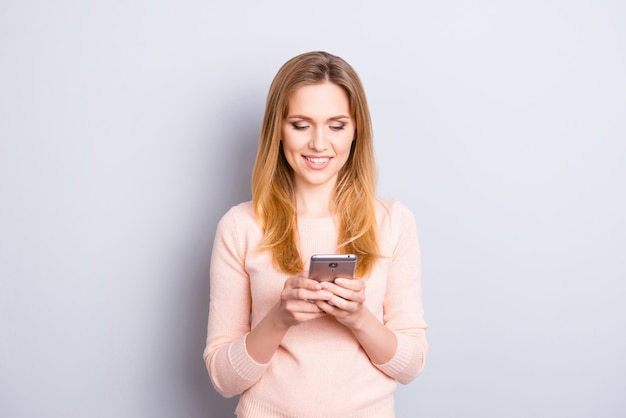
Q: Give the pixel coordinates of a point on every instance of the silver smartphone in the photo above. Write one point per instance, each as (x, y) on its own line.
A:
(327, 267)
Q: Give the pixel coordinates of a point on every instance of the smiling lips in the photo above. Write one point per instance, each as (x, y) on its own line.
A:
(317, 162)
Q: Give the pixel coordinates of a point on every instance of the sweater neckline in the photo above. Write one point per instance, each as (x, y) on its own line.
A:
(316, 224)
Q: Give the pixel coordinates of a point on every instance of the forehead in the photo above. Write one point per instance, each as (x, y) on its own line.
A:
(326, 97)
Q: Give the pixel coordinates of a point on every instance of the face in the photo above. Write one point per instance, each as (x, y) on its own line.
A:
(317, 134)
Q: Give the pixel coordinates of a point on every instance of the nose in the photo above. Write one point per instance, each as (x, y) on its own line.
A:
(318, 140)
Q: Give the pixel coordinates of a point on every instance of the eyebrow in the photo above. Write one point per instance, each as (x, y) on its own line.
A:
(338, 117)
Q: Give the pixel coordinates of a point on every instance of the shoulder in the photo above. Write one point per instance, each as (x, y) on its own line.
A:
(240, 212)
(239, 217)
(393, 211)
(397, 227)
(238, 228)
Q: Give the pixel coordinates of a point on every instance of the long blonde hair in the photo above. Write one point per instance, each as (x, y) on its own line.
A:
(273, 179)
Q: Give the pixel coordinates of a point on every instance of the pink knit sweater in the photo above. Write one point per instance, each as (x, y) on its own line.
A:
(319, 370)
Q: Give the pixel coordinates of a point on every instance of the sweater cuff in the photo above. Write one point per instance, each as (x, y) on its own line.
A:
(405, 364)
(242, 363)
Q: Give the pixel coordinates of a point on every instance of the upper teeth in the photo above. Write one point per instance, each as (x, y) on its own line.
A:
(320, 160)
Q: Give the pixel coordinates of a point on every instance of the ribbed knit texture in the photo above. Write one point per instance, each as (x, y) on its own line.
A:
(319, 370)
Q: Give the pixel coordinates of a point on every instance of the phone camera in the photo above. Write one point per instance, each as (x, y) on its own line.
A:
(333, 265)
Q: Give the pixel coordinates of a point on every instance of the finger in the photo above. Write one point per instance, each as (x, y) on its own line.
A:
(312, 295)
(326, 307)
(303, 282)
(302, 306)
(302, 294)
(352, 284)
(337, 307)
(347, 294)
(298, 307)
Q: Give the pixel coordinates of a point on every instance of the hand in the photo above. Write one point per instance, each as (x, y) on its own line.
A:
(346, 304)
(297, 304)
(298, 300)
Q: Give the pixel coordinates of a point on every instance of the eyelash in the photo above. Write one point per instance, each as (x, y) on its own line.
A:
(303, 127)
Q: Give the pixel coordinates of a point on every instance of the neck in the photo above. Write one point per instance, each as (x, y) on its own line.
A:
(315, 201)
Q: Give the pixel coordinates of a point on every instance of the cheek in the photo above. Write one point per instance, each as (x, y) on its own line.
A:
(285, 141)
(288, 151)
(292, 140)
(289, 147)
(347, 141)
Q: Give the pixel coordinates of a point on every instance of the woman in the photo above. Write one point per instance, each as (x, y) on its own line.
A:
(292, 346)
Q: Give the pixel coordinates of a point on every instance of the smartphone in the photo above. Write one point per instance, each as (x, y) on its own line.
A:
(327, 267)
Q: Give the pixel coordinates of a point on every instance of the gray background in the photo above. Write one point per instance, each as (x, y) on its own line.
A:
(128, 128)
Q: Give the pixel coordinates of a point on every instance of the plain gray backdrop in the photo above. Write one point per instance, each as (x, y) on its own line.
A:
(127, 128)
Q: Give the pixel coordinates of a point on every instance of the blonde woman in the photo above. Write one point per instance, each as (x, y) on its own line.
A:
(289, 345)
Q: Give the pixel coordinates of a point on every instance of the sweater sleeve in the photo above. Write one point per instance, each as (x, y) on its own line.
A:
(403, 311)
(231, 369)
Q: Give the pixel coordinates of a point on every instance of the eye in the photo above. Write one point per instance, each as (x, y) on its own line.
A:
(299, 126)
(337, 127)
